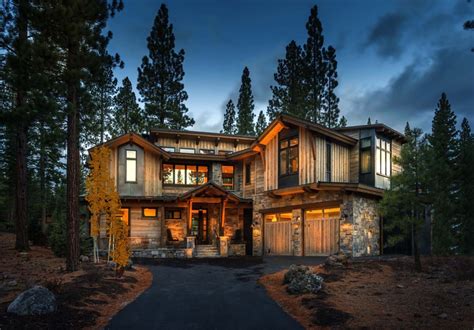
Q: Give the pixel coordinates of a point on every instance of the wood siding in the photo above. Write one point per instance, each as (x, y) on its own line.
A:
(307, 157)
(278, 238)
(203, 144)
(271, 165)
(340, 163)
(321, 236)
(354, 157)
(152, 175)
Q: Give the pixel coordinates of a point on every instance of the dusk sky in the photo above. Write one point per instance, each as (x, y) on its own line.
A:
(395, 58)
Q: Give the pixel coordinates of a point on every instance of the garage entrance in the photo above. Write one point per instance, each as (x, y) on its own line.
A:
(321, 231)
(277, 233)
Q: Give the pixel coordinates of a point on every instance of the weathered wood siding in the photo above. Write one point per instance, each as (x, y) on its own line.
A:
(278, 238)
(271, 165)
(203, 144)
(248, 190)
(340, 163)
(307, 156)
(354, 157)
(321, 236)
(144, 227)
(152, 176)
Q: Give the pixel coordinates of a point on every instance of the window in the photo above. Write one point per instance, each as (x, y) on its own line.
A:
(289, 156)
(131, 166)
(148, 212)
(207, 151)
(248, 173)
(181, 174)
(187, 150)
(172, 214)
(169, 149)
(383, 159)
(278, 217)
(224, 152)
(318, 214)
(228, 177)
(365, 155)
(328, 161)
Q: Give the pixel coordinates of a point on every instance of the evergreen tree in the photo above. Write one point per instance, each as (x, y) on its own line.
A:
(404, 203)
(245, 106)
(261, 123)
(441, 173)
(128, 116)
(228, 126)
(343, 122)
(465, 175)
(314, 72)
(160, 78)
(369, 122)
(330, 102)
(289, 94)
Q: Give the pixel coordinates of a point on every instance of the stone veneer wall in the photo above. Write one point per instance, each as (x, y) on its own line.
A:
(359, 223)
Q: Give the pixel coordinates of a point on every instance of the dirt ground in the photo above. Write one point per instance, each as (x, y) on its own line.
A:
(87, 298)
(385, 294)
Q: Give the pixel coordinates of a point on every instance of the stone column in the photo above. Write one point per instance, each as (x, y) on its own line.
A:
(190, 246)
(217, 173)
(297, 232)
(224, 246)
(257, 234)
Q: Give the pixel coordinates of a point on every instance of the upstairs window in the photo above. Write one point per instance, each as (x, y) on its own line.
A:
(169, 149)
(207, 151)
(289, 156)
(187, 150)
(383, 159)
(228, 177)
(366, 155)
(224, 152)
(180, 174)
(131, 166)
(328, 161)
(248, 174)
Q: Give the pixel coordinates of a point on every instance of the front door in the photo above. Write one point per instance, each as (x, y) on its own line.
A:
(199, 226)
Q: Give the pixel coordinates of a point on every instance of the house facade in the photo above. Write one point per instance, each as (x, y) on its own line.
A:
(298, 189)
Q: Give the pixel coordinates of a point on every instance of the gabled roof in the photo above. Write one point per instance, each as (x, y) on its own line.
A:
(211, 189)
(136, 139)
(239, 138)
(379, 128)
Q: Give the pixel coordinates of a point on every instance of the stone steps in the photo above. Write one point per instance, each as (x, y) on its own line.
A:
(206, 251)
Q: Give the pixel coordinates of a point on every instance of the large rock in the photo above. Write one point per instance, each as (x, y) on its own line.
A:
(301, 279)
(35, 301)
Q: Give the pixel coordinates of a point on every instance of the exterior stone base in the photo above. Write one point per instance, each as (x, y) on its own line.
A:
(162, 253)
(237, 249)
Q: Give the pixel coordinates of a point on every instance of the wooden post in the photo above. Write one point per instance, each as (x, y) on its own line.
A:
(223, 205)
(190, 215)
(164, 235)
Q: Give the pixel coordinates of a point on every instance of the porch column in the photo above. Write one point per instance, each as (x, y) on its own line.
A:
(164, 234)
(190, 215)
(222, 216)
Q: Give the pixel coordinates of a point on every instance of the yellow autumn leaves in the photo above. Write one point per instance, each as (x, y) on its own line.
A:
(104, 203)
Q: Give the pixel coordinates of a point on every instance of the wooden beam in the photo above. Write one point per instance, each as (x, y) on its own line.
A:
(223, 206)
(190, 215)
(262, 156)
(272, 194)
(164, 234)
(211, 200)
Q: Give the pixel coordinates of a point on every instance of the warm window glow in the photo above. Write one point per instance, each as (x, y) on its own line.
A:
(278, 217)
(131, 166)
(228, 177)
(323, 213)
(289, 156)
(125, 215)
(149, 212)
(185, 174)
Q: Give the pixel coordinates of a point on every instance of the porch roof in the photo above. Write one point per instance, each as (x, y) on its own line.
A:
(211, 189)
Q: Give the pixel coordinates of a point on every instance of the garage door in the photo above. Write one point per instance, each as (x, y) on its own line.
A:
(277, 234)
(321, 231)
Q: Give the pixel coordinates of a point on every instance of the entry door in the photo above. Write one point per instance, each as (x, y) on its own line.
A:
(199, 226)
(321, 232)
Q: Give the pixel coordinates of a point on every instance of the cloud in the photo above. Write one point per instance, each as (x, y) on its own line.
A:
(386, 35)
(413, 94)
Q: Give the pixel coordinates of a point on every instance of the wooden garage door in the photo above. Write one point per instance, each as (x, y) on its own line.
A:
(277, 234)
(321, 231)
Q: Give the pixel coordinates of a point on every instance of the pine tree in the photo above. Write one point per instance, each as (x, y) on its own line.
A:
(441, 164)
(343, 122)
(289, 94)
(465, 180)
(128, 116)
(245, 106)
(314, 72)
(160, 78)
(228, 125)
(261, 123)
(369, 122)
(404, 203)
(330, 102)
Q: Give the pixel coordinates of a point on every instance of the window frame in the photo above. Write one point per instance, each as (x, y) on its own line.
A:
(135, 159)
(150, 216)
(388, 156)
(173, 210)
(223, 152)
(233, 177)
(248, 173)
(287, 150)
(168, 149)
(188, 149)
(328, 172)
(207, 152)
(197, 165)
(369, 150)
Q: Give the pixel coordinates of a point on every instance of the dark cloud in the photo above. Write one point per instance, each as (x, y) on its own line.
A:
(386, 35)
(413, 94)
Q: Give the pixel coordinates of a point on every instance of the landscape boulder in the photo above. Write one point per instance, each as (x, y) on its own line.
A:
(84, 258)
(35, 301)
(339, 259)
(301, 279)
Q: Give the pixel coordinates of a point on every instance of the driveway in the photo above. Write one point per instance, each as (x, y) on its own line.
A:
(209, 294)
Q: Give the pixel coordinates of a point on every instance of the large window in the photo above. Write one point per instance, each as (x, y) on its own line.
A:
(248, 173)
(383, 159)
(328, 161)
(289, 156)
(131, 166)
(365, 155)
(181, 174)
(228, 177)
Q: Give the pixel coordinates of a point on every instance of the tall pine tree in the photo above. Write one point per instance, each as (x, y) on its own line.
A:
(441, 173)
(330, 102)
(245, 106)
(229, 125)
(465, 175)
(261, 123)
(289, 95)
(128, 116)
(160, 78)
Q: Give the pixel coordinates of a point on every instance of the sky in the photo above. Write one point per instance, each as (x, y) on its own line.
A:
(395, 58)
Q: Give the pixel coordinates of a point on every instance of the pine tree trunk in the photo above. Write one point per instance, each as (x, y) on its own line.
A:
(42, 174)
(21, 243)
(416, 251)
(72, 171)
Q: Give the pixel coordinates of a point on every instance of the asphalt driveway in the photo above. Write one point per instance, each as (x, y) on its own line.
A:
(209, 294)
